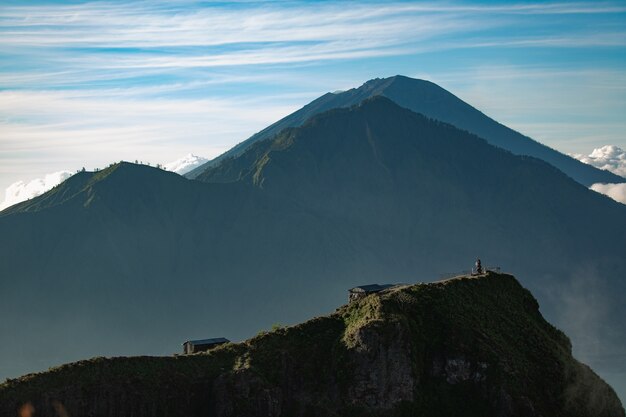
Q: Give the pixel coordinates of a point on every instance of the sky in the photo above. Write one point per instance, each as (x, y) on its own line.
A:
(84, 84)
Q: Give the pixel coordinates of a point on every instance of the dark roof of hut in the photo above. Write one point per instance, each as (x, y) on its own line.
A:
(208, 341)
(371, 288)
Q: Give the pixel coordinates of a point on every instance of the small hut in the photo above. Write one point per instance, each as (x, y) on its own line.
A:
(202, 345)
(361, 291)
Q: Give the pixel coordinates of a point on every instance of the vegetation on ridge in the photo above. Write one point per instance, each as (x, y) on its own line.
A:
(489, 321)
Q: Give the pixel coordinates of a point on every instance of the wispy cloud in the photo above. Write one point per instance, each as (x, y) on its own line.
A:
(103, 128)
(131, 39)
(114, 36)
(149, 26)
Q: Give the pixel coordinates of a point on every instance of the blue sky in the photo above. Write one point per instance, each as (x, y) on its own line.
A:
(88, 83)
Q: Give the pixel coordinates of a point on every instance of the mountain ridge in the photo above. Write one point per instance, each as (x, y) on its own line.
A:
(425, 97)
(472, 346)
(284, 139)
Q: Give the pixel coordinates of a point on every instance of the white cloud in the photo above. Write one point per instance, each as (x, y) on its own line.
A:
(609, 157)
(21, 191)
(185, 164)
(616, 191)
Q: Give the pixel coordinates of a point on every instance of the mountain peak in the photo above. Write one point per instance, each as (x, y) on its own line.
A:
(398, 78)
(378, 86)
(433, 101)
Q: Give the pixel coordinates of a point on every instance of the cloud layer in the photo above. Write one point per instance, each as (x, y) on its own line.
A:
(185, 164)
(610, 157)
(616, 191)
(22, 191)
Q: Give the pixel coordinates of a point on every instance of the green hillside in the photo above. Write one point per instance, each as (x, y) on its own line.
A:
(468, 346)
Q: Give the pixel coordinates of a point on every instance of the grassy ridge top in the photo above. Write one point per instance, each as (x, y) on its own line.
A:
(489, 320)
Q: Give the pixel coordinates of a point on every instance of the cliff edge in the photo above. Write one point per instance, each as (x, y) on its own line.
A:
(470, 346)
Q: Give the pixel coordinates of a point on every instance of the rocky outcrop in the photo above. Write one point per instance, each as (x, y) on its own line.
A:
(467, 346)
(244, 393)
(382, 368)
(459, 369)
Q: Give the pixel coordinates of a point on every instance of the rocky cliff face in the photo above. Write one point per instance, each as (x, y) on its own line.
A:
(471, 346)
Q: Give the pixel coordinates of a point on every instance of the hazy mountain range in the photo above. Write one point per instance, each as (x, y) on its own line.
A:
(135, 260)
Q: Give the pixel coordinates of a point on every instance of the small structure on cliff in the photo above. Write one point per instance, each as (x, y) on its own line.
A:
(202, 345)
(361, 291)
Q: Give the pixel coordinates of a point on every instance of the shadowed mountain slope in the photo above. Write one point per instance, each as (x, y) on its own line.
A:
(134, 260)
(435, 102)
(470, 346)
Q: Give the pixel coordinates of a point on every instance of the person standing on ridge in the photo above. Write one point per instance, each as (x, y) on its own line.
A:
(479, 267)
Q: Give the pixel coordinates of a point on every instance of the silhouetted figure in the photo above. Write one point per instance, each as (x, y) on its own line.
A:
(479, 267)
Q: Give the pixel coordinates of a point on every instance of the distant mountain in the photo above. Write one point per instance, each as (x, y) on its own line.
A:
(133, 260)
(185, 164)
(429, 99)
(469, 346)
(20, 190)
